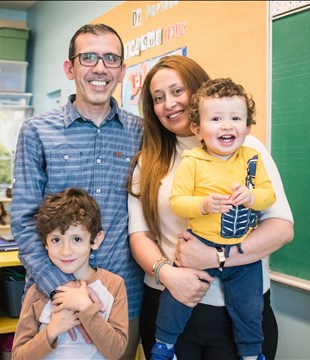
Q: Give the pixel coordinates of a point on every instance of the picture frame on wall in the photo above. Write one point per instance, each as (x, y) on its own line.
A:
(133, 81)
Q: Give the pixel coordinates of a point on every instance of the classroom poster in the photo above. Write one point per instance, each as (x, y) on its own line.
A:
(134, 78)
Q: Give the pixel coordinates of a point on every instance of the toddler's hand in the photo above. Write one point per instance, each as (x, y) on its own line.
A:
(216, 204)
(241, 195)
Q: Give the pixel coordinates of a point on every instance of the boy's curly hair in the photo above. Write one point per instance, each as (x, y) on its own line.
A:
(221, 87)
(70, 207)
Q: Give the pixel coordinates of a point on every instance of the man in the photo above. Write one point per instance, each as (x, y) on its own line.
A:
(87, 143)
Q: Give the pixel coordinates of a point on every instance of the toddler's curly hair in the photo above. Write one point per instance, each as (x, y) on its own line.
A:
(221, 87)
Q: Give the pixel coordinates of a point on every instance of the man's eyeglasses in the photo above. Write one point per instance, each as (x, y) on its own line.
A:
(92, 59)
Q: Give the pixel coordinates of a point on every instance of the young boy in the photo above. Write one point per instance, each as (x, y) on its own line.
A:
(69, 224)
(220, 188)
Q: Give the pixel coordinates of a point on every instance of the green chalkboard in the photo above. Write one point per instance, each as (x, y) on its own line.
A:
(290, 141)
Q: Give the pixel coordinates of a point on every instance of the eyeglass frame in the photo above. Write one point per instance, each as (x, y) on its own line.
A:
(98, 58)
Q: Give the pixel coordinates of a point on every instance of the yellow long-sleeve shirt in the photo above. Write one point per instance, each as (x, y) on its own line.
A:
(200, 175)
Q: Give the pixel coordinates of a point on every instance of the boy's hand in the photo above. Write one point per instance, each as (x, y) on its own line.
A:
(61, 322)
(241, 195)
(76, 299)
(94, 298)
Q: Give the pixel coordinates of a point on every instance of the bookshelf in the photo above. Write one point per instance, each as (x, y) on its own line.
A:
(7, 323)
(7, 259)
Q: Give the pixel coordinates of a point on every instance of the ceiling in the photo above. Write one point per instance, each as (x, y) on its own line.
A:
(17, 5)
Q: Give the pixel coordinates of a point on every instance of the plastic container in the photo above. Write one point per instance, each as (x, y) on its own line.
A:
(13, 296)
(13, 283)
(13, 76)
(13, 43)
(20, 99)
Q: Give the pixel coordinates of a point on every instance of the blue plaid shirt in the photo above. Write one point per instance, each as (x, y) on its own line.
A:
(59, 149)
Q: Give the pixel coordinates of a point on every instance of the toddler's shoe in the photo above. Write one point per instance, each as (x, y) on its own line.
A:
(259, 357)
(161, 352)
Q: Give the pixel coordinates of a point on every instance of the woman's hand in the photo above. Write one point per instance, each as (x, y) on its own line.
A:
(193, 253)
(188, 286)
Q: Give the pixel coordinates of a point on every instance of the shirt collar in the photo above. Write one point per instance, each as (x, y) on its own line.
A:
(71, 114)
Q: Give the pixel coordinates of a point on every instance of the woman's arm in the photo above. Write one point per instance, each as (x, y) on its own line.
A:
(184, 284)
(144, 250)
(270, 235)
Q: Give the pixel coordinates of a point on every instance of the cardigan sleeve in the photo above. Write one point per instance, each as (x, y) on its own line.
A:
(109, 336)
(30, 343)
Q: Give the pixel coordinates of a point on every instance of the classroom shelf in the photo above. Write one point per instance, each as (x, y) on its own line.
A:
(7, 323)
(9, 258)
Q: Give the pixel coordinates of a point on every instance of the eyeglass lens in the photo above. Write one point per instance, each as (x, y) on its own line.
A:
(109, 60)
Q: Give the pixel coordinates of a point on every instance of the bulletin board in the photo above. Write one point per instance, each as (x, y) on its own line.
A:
(133, 81)
(291, 133)
(230, 39)
(227, 38)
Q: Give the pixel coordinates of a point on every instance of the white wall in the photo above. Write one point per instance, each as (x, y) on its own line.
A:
(52, 25)
(292, 310)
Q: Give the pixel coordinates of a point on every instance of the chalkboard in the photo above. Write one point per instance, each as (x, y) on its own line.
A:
(290, 140)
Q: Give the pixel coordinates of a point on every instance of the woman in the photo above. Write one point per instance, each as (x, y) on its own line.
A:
(153, 227)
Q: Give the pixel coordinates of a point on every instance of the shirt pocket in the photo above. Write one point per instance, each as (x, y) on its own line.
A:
(121, 165)
(65, 169)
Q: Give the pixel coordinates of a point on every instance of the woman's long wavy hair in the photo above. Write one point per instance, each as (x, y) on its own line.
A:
(158, 147)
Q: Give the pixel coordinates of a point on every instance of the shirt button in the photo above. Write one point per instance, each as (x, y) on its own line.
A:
(91, 256)
(128, 159)
(66, 157)
(98, 161)
(98, 191)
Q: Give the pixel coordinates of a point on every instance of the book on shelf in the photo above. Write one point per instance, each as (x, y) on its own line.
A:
(7, 243)
(7, 237)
